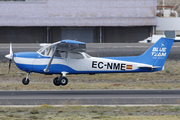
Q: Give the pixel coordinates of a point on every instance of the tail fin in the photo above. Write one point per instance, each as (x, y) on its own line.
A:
(157, 54)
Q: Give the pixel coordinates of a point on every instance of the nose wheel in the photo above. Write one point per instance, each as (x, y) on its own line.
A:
(60, 81)
(25, 80)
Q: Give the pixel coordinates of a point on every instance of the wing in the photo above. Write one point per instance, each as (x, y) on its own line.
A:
(44, 44)
(66, 45)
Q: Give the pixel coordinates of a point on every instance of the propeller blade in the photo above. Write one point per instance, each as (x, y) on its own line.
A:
(10, 56)
(10, 49)
(9, 65)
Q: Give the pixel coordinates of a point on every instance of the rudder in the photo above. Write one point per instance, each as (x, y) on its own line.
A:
(157, 54)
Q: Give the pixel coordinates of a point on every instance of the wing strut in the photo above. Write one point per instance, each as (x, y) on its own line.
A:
(47, 68)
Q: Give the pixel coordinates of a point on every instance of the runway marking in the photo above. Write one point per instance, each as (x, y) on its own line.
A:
(81, 98)
(23, 106)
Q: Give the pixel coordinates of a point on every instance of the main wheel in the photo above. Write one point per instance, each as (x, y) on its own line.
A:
(25, 82)
(64, 81)
(56, 81)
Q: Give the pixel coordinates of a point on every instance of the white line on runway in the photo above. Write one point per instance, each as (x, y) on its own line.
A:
(90, 105)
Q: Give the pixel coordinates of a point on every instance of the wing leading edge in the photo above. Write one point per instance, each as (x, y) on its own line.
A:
(72, 46)
(68, 45)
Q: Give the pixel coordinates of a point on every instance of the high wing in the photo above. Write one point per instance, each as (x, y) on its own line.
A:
(44, 44)
(65, 45)
(71, 45)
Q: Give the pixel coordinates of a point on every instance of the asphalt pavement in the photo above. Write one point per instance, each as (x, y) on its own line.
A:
(90, 97)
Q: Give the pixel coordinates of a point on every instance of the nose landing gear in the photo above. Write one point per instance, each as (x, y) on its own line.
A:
(25, 80)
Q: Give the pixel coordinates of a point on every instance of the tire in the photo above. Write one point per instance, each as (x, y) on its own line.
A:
(25, 82)
(64, 81)
(56, 82)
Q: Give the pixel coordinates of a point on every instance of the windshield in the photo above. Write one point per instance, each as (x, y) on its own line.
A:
(42, 49)
(46, 50)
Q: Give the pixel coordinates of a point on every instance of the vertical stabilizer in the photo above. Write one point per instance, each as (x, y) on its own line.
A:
(157, 54)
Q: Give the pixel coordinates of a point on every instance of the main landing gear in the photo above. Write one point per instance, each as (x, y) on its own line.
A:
(61, 80)
(25, 80)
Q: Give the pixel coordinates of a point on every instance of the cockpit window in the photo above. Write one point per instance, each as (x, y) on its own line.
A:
(61, 54)
(48, 50)
(88, 56)
(43, 52)
(76, 56)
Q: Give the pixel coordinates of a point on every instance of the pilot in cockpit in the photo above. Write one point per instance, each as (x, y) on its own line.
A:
(57, 53)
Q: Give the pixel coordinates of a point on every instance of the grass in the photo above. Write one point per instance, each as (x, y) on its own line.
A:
(167, 79)
(86, 86)
(163, 112)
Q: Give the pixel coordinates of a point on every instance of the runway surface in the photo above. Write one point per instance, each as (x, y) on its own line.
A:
(90, 97)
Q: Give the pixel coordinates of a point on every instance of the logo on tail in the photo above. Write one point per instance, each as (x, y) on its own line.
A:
(159, 53)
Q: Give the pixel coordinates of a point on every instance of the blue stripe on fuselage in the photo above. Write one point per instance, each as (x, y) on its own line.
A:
(26, 54)
(24, 67)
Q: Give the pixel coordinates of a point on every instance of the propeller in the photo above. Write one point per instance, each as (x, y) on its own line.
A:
(10, 56)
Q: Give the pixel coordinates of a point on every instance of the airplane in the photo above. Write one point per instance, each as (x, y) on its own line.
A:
(69, 57)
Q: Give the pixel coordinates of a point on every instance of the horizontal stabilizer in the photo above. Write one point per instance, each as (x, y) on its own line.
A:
(148, 66)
